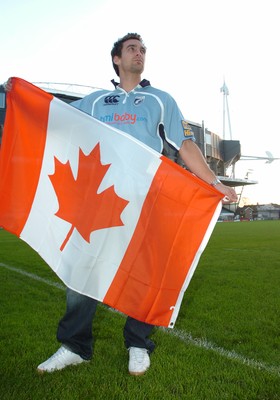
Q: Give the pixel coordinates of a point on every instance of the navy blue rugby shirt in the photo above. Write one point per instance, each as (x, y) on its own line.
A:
(148, 114)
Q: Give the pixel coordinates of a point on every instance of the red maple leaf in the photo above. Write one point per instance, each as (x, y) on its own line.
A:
(79, 202)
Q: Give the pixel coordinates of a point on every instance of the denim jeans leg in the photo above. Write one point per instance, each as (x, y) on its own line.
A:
(136, 334)
(75, 328)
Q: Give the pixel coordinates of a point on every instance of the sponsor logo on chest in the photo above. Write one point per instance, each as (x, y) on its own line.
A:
(119, 118)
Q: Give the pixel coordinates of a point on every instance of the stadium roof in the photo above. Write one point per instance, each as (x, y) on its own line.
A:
(234, 182)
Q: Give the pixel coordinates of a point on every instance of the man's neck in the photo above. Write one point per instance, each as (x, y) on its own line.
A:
(128, 83)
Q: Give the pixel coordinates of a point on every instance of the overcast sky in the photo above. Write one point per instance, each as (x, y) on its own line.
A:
(192, 47)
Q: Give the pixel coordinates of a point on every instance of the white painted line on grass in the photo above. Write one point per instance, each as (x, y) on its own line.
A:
(33, 276)
(181, 335)
(232, 355)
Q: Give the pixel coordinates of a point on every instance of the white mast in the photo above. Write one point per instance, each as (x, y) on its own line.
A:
(224, 90)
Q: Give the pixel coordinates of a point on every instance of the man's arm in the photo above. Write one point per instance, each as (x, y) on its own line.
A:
(194, 160)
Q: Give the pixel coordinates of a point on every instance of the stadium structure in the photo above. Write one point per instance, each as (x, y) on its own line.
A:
(221, 154)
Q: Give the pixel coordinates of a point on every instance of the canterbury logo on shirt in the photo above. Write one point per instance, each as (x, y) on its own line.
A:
(112, 99)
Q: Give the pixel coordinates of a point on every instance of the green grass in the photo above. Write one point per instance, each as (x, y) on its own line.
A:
(225, 345)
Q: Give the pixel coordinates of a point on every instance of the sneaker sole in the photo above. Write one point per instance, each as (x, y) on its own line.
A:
(43, 371)
(138, 373)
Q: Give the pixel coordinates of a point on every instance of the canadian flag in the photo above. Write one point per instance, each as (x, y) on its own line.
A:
(113, 218)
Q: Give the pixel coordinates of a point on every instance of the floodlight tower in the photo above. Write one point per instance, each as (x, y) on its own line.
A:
(224, 90)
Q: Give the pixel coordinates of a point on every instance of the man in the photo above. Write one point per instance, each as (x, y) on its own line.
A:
(152, 116)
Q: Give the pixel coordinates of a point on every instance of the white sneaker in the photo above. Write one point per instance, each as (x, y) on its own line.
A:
(139, 361)
(59, 360)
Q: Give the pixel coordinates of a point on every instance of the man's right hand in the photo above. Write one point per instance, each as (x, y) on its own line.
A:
(8, 85)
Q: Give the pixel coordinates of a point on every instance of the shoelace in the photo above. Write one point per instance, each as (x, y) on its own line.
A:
(138, 354)
(59, 352)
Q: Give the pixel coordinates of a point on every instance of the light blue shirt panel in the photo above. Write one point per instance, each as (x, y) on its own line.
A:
(138, 113)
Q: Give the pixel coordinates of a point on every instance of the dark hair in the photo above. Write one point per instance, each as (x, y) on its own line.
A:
(117, 48)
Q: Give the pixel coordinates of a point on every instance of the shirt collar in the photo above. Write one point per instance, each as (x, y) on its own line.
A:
(143, 83)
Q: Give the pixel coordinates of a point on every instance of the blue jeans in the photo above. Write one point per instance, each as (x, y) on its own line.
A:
(75, 328)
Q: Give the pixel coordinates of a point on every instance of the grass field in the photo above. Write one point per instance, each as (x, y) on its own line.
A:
(225, 345)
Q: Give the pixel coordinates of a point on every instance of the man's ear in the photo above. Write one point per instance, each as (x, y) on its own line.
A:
(116, 60)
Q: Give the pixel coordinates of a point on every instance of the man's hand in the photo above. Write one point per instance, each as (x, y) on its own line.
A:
(8, 85)
(229, 192)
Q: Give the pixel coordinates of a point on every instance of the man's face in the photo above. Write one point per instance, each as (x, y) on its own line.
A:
(132, 58)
